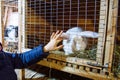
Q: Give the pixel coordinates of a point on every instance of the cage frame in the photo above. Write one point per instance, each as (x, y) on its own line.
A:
(1, 24)
(102, 24)
(59, 61)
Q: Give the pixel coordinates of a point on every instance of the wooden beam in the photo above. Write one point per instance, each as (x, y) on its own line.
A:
(1, 21)
(111, 29)
(12, 6)
(74, 70)
(73, 60)
(102, 31)
(5, 16)
(22, 8)
(19, 9)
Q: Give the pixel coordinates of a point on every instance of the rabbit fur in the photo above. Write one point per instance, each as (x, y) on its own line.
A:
(75, 39)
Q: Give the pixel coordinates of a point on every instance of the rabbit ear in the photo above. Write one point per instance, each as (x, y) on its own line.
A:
(65, 36)
(89, 34)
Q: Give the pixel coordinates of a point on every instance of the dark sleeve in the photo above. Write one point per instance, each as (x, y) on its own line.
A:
(28, 58)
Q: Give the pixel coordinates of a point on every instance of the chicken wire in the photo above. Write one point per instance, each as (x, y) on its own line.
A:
(44, 17)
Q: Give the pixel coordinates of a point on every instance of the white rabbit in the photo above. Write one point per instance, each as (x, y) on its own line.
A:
(75, 39)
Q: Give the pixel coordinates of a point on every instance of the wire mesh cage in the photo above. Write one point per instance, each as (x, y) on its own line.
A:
(74, 17)
(83, 21)
(44, 17)
(91, 28)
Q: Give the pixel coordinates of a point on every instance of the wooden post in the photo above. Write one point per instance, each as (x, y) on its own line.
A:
(1, 24)
(0, 21)
(5, 16)
(111, 28)
(19, 32)
(22, 31)
(102, 30)
(24, 15)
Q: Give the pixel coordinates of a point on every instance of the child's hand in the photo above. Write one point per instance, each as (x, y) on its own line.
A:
(54, 40)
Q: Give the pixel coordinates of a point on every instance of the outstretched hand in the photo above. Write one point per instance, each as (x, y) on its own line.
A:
(53, 43)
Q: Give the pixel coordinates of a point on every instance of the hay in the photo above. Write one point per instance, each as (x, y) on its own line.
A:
(116, 61)
(86, 54)
(91, 55)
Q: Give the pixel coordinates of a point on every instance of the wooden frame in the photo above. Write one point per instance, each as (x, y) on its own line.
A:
(1, 22)
(102, 30)
(111, 30)
(108, 13)
(77, 66)
(23, 26)
(80, 67)
(83, 70)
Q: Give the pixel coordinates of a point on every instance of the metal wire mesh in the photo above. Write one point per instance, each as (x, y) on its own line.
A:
(44, 17)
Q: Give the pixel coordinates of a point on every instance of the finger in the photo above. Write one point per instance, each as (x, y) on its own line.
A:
(65, 36)
(59, 35)
(60, 39)
(52, 35)
(59, 47)
(56, 34)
